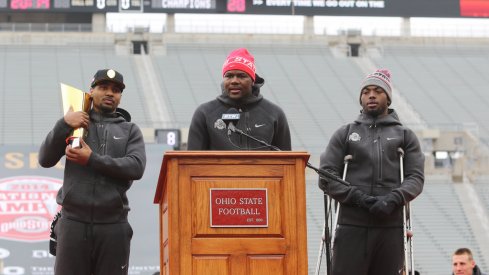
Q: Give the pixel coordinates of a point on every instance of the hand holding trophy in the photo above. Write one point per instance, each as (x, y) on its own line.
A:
(76, 104)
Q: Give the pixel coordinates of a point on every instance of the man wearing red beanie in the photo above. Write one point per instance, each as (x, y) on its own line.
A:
(259, 117)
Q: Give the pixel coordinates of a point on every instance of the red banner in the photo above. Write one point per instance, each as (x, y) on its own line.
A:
(27, 207)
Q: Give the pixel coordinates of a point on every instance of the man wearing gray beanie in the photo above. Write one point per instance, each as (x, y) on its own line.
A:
(369, 234)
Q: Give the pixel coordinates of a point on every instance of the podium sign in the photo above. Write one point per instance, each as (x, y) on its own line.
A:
(238, 207)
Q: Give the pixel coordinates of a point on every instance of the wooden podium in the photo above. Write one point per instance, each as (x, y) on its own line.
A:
(232, 213)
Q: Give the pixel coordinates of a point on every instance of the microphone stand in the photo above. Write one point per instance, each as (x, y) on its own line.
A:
(322, 174)
(239, 131)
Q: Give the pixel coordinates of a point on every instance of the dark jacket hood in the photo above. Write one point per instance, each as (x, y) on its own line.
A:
(120, 115)
(476, 271)
(255, 95)
(390, 119)
(124, 114)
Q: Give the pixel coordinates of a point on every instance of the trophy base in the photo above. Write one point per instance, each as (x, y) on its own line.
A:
(75, 143)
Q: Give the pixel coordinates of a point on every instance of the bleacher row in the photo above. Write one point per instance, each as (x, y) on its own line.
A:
(445, 84)
(318, 90)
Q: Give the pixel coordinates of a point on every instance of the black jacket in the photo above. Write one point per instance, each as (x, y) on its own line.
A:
(476, 271)
(259, 118)
(96, 193)
(374, 168)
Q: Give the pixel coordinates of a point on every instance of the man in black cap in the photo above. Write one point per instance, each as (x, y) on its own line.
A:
(93, 233)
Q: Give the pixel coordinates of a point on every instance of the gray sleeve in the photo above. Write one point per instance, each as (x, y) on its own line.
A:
(281, 138)
(198, 136)
(413, 182)
(53, 147)
(332, 161)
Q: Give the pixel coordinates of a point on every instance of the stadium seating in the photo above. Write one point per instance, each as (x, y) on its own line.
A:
(444, 83)
(318, 90)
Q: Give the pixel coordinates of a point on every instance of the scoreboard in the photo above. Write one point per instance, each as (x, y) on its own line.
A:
(91, 6)
(399, 8)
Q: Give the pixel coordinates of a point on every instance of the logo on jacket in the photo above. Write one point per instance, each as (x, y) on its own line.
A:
(354, 137)
(219, 124)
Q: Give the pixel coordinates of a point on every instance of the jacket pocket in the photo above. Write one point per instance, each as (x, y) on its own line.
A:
(76, 201)
(108, 204)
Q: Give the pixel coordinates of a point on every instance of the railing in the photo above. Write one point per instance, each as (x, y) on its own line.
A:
(260, 24)
(45, 27)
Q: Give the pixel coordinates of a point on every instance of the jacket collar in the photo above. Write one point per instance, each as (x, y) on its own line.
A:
(390, 119)
(103, 117)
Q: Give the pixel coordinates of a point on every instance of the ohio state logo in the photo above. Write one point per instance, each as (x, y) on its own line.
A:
(27, 207)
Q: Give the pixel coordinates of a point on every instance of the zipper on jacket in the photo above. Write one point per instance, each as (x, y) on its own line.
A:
(102, 150)
(373, 134)
(248, 129)
(97, 139)
(379, 158)
(378, 144)
(104, 141)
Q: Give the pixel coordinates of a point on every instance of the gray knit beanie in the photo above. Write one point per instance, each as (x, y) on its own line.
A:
(381, 78)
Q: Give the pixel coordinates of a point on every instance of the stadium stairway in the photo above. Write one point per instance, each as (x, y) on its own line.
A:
(156, 106)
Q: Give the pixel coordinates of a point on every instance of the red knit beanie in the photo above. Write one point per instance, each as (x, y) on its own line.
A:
(240, 59)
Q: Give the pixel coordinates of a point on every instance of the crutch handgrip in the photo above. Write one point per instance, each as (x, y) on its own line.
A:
(348, 158)
(400, 151)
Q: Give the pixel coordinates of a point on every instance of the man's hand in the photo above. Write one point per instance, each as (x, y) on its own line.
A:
(385, 205)
(76, 119)
(367, 201)
(79, 155)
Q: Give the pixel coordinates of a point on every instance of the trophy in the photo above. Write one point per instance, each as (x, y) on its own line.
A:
(75, 100)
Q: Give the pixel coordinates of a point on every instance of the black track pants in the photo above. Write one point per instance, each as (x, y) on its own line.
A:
(92, 249)
(368, 251)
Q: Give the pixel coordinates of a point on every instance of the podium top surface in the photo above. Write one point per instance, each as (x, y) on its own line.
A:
(218, 157)
(236, 153)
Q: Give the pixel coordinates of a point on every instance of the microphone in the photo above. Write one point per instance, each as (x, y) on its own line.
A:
(231, 117)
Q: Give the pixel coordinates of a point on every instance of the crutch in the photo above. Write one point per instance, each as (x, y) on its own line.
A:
(337, 208)
(327, 242)
(407, 225)
(325, 239)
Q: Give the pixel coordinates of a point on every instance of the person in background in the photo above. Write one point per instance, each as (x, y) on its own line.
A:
(259, 117)
(369, 234)
(463, 263)
(93, 233)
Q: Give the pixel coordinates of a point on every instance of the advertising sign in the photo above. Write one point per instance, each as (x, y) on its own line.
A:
(28, 205)
(390, 8)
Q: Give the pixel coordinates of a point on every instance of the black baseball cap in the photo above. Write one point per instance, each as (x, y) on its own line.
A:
(108, 75)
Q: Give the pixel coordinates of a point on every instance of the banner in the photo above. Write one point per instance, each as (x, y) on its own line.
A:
(28, 204)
